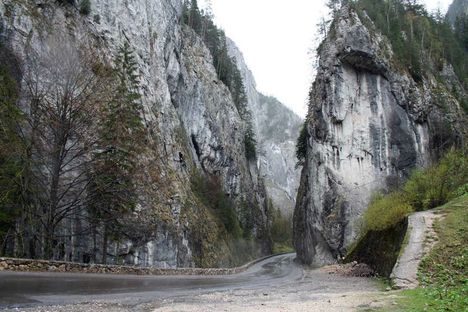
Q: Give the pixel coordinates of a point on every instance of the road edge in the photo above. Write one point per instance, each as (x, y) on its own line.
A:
(30, 265)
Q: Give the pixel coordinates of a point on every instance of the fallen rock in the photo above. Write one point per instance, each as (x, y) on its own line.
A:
(350, 269)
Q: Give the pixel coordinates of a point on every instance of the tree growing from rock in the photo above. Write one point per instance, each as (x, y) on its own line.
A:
(63, 93)
(112, 191)
(11, 149)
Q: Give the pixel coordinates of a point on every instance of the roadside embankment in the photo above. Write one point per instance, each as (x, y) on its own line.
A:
(28, 265)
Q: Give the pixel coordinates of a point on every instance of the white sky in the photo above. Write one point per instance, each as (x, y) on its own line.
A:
(278, 39)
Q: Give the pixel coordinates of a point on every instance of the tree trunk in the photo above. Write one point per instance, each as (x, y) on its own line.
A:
(95, 249)
(48, 242)
(104, 244)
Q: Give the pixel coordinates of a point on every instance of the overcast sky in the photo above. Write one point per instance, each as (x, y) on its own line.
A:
(277, 39)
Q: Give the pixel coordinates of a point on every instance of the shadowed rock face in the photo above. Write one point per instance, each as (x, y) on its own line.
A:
(369, 126)
(190, 117)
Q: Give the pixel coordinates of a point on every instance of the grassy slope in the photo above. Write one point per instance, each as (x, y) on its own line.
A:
(443, 272)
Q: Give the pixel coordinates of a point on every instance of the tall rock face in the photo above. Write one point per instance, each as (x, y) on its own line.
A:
(277, 129)
(369, 124)
(193, 127)
(456, 9)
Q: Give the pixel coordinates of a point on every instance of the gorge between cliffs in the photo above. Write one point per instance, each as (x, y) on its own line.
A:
(134, 141)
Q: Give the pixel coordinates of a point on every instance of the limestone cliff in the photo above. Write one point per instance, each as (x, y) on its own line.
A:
(456, 9)
(192, 126)
(277, 128)
(369, 124)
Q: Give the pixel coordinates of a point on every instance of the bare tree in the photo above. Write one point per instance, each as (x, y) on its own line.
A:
(65, 89)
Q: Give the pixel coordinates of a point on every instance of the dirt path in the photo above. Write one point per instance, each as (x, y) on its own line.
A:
(421, 238)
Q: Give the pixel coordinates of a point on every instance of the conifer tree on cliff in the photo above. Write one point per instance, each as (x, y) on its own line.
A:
(112, 190)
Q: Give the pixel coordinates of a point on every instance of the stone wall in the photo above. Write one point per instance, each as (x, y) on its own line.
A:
(28, 265)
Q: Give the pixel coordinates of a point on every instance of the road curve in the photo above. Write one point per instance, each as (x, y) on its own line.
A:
(20, 289)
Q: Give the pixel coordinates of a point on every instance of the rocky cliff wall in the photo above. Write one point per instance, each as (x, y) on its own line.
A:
(369, 125)
(192, 126)
(456, 9)
(277, 129)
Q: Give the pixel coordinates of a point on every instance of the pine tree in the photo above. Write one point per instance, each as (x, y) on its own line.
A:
(225, 66)
(461, 30)
(237, 89)
(195, 18)
(112, 189)
(302, 144)
(250, 141)
(334, 6)
(85, 7)
(11, 154)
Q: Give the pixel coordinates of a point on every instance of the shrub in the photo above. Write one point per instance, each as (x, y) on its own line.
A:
(281, 228)
(425, 189)
(250, 146)
(436, 185)
(386, 211)
(301, 145)
(85, 7)
(210, 193)
(71, 2)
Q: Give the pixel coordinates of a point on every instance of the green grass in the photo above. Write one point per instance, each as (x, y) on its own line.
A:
(282, 248)
(443, 273)
(386, 211)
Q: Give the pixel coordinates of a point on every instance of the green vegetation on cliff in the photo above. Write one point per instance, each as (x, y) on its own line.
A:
(421, 42)
(425, 189)
(215, 40)
(226, 67)
(11, 146)
(384, 223)
(302, 144)
(230, 233)
(209, 191)
(281, 232)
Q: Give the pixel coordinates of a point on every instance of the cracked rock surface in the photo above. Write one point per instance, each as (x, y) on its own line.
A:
(369, 124)
(191, 120)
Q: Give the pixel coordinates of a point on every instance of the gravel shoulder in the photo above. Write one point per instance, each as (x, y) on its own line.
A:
(318, 290)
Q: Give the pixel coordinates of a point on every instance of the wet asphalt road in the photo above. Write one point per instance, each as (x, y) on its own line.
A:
(31, 289)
